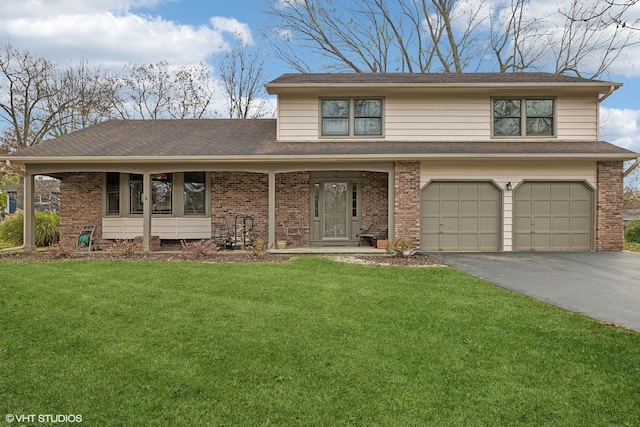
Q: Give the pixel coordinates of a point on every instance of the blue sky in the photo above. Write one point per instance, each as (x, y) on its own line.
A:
(111, 33)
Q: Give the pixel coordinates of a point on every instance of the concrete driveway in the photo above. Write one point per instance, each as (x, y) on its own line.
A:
(602, 285)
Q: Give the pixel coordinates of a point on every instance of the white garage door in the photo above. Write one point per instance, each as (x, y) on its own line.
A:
(553, 216)
(460, 216)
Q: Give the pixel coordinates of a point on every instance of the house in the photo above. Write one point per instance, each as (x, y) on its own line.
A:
(454, 162)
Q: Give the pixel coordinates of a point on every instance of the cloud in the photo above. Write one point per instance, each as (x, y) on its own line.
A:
(107, 32)
(621, 127)
(234, 27)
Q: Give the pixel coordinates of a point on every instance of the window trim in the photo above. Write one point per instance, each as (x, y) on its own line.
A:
(523, 117)
(352, 118)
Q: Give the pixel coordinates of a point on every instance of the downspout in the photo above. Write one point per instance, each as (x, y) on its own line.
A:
(612, 88)
(631, 168)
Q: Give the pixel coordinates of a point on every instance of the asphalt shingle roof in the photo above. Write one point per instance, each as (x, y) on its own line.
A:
(251, 139)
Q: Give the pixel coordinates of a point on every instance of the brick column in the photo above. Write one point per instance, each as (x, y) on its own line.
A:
(407, 201)
(80, 205)
(609, 226)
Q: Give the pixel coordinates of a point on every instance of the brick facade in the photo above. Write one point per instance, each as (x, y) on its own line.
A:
(80, 204)
(609, 226)
(292, 206)
(375, 196)
(407, 201)
(241, 193)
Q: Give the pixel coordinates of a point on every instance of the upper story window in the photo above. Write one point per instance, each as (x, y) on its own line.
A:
(351, 117)
(523, 117)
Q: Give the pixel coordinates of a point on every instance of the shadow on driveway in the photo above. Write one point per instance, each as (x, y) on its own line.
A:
(602, 285)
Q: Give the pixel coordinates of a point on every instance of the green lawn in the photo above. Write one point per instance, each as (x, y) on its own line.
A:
(311, 342)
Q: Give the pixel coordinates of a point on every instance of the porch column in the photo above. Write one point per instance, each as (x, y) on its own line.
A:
(272, 210)
(146, 211)
(29, 223)
(391, 188)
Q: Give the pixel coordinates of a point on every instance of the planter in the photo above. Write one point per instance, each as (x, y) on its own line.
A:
(381, 244)
(281, 244)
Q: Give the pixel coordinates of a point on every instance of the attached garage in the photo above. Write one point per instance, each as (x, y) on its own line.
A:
(553, 216)
(461, 216)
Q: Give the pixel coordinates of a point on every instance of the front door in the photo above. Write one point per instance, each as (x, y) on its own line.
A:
(334, 210)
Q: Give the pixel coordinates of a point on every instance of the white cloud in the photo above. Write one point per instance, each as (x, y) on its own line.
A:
(234, 27)
(106, 32)
(621, 127)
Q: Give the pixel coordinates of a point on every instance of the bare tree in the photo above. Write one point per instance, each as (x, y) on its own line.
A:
(156, 91)
(242, 77)
(31, 103)
(450, 35)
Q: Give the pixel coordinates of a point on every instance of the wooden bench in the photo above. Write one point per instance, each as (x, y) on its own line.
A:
(372, 234)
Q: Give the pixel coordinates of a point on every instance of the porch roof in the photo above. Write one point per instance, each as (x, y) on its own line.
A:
(117, 141)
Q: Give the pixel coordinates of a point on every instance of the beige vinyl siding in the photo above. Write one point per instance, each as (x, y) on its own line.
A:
(503, 171)
(436, 116)
(166, 228)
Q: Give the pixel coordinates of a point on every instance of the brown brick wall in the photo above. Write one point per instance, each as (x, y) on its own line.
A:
(292, 206)
(609, 227)
(241, 193)
(407, 201)
(80, 204)
(375, 196)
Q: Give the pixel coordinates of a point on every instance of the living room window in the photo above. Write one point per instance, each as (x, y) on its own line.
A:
(351, 117)
(523, 117)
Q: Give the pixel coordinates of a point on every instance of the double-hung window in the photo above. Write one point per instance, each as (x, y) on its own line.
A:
(523, 117)
(351, 117)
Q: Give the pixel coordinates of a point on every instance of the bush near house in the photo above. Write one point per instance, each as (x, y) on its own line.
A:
(47, 228)
(632, 232)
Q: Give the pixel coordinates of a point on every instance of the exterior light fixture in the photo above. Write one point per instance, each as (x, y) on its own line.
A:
(509, 187)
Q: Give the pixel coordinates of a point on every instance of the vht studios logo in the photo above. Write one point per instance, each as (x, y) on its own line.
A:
(43, 418)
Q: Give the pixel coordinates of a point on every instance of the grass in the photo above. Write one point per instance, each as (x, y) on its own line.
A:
(312, 342)
(633, 247)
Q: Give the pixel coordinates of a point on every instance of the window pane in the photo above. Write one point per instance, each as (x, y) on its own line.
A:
(539, 108)
(539, 126)
(135, 191)
(506, 126)
(335, 108)
(368, 126)
(162, 185)
(506, 108)
(195, 189)
(335, 126)
(368, 108)
(113, 193)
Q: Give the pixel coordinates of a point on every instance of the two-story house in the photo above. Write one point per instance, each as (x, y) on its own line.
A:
(454, 162)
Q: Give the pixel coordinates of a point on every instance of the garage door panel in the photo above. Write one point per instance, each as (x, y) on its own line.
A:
(450, 207)
(541, 207)
(561, 214)
(469, 207)
(458, 214)
(541, 191)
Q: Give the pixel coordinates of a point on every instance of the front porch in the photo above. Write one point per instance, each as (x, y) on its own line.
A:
(311, 209)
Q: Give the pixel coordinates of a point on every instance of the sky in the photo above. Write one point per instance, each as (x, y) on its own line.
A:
(112, 33)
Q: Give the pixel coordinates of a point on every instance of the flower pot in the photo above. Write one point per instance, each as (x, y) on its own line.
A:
(381, 244)
(281, 244)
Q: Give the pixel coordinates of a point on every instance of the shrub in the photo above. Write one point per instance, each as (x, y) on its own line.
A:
(400, 247)
(127, 247)
(200, 249)
(47, 228)
(632, 233)
(257, 249)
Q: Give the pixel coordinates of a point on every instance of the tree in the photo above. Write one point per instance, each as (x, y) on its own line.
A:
(449, 35)
(39, 100)
(156, 91)
(242, 77)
